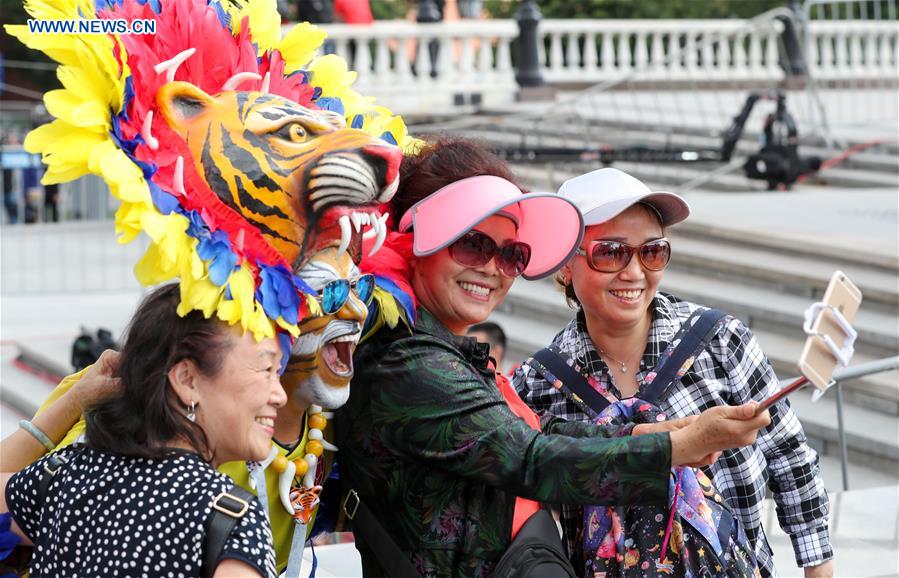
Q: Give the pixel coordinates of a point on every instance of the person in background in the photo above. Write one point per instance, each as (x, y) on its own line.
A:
(493, 335)
(51, 203)
(317, 12)
(622, 326)
(12, 195)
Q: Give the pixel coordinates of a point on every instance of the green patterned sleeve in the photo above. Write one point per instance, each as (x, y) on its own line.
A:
(577, 429)
(431, 405)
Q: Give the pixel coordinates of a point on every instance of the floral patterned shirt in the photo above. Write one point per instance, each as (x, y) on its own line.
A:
(430, 445)
(731, 370)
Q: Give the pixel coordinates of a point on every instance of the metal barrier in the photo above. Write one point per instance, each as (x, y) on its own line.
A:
(66, 257)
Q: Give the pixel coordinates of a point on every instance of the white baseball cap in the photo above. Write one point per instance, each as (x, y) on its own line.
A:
(603, 194)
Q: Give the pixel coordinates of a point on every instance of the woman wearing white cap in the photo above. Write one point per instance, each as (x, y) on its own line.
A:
(439, 454)
(624, 332)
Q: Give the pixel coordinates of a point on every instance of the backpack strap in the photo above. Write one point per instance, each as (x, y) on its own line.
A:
(227, 510)
(694, 335)
(393, 561)
(692, 338)
(551, 363)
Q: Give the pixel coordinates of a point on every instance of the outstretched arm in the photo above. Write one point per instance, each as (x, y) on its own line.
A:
(433, 407)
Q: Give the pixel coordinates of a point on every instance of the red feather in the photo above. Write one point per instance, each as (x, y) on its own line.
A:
(392, 261)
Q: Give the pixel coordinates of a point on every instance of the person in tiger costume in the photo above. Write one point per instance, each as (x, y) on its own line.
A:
(256, 171)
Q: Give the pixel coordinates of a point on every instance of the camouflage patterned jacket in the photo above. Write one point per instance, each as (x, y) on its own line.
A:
(430, 445)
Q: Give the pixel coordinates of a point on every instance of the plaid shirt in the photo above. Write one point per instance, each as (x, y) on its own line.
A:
(731, 370)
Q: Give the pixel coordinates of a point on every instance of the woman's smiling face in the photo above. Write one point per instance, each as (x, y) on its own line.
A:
(618, 300)
(461, 296)
(237, 406)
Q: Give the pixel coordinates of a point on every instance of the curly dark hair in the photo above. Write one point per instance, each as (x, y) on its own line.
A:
(146, 416)
(440, 161)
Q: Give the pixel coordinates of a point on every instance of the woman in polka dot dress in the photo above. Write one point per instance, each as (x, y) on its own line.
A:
(134, 498)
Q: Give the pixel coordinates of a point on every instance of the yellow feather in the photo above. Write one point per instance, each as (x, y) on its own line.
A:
(127, 221)
(263, 19)
(329, 72)
(299, 45)
(289, 327)
(388, 308)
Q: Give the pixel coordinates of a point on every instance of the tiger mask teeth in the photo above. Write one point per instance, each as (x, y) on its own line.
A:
(355, 223)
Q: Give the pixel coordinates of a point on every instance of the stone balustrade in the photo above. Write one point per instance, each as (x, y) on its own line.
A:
(660, 50)
(418, 68)
(855, 49)
(426, 67)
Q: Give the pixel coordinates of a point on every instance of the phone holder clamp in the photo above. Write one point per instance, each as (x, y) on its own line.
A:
(842, 354)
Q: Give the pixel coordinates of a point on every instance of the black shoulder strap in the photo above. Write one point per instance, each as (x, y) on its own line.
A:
(693, 336)
(551, 364)
(51, 466)
(227, 509)
(691, 339)
(393, 561)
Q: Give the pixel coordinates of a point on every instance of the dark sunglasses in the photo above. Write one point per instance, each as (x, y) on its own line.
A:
(333, 295)
(474, 249)
(612, 256)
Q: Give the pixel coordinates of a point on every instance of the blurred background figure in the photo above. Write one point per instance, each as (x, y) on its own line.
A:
(318, 12)
(494, 336)
(472, 9)
(12, 194)
(51, 203)
(353, 11)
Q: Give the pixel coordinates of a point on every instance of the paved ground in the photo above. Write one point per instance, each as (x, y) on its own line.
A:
(842, 221)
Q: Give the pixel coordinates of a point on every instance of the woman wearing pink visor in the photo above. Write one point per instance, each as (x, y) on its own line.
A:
(443, 466)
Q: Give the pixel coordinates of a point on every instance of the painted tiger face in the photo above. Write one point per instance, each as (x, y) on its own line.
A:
(300, 176)
(321, 361)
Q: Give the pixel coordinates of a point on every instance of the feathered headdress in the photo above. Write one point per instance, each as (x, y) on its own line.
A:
(108, 122)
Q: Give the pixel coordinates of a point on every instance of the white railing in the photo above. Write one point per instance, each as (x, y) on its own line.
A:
(855, 49)
(429, 67)
(426, 67)
(659, 50)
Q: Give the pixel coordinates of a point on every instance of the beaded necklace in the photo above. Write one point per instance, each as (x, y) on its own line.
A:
(297, 488)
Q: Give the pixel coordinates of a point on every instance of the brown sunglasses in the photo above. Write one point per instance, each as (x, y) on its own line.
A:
(614, 256)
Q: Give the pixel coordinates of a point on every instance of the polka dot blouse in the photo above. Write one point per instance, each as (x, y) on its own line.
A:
(112, 515)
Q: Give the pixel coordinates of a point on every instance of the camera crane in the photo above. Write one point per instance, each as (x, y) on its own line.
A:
(778, 161)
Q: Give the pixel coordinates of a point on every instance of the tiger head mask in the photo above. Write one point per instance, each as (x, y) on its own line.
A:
(298, 175)
(321, 359)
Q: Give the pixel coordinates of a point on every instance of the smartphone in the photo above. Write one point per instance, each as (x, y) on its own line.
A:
(816, 362)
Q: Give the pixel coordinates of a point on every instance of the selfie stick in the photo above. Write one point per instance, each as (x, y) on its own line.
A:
(796, 385)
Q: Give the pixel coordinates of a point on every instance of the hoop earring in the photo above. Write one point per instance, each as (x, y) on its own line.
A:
(192, 412)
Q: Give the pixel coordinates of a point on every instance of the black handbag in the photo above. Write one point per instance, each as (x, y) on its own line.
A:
(536, 552)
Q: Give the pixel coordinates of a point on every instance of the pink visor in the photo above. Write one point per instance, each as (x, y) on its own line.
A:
(551, 225)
